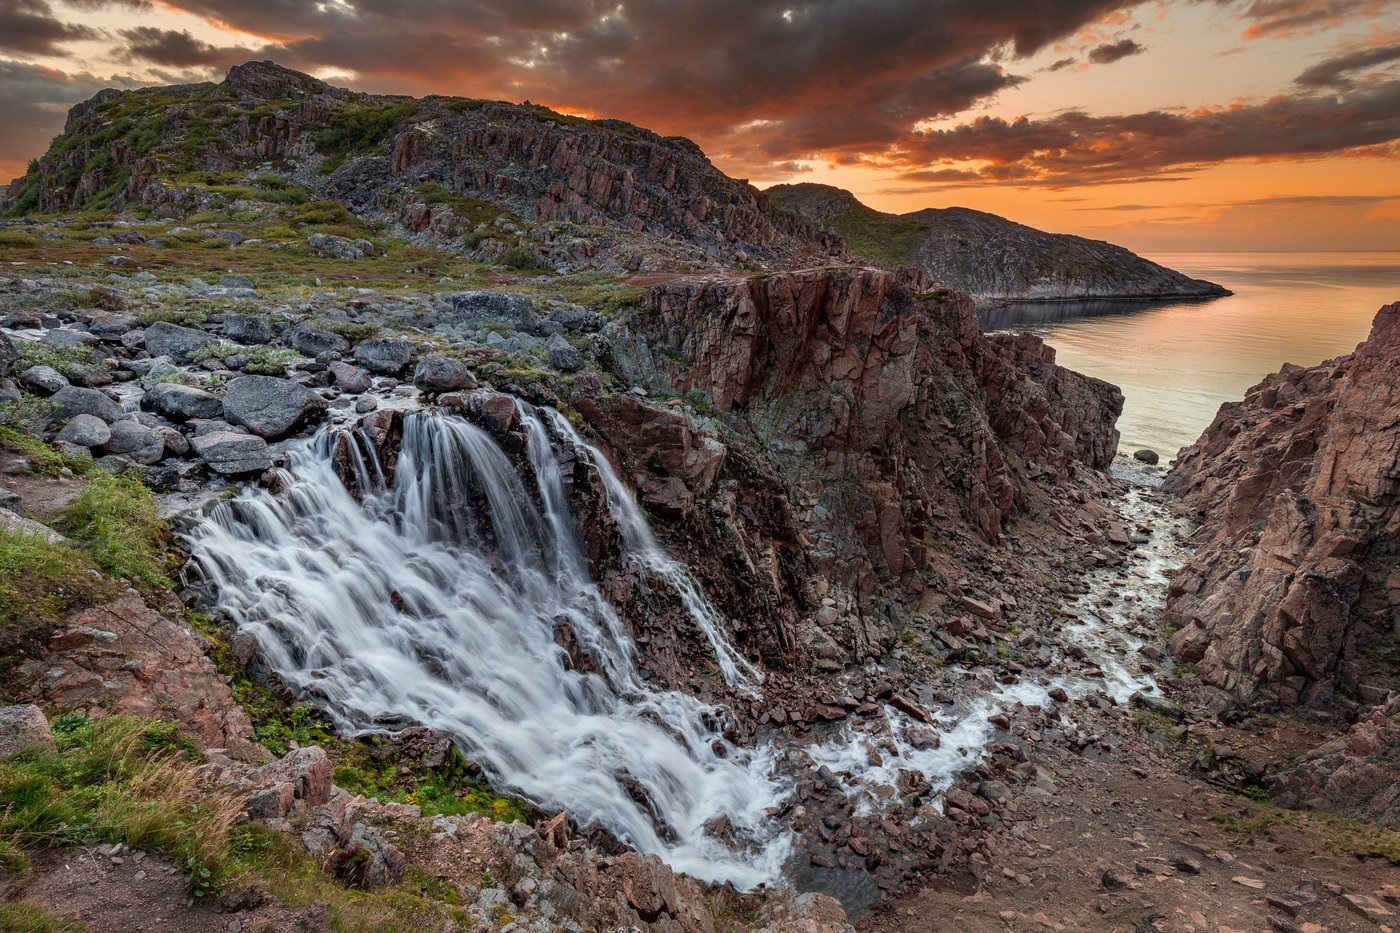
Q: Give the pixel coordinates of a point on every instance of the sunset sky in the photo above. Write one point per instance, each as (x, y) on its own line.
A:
(1201, 124)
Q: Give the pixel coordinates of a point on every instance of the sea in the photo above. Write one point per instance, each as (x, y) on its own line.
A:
(1178, 360)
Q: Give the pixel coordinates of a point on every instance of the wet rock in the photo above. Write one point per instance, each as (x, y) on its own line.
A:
(182, 402)
(271, 407)
(23, 727)
(1157, 704)
(175, 341)
(436, 374)
(386, 356)
(85, 431)
(1146, 455)
(232, 454)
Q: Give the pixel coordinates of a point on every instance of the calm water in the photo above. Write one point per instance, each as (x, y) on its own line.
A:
(1177, 361)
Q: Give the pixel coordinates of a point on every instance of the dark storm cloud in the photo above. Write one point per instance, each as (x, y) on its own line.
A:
(179, 49)
(1111, 52)
(757, 81)
(1075, 148)
(34, 101)
(1336, 72)
(29, 27)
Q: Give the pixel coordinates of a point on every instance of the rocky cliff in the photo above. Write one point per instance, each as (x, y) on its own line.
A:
(992, 258)
(903, 433)
(557, 189)
(1292, 593)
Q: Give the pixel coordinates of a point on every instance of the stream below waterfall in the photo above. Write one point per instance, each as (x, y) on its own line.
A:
(435, 600)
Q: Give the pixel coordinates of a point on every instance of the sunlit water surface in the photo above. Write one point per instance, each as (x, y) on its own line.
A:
(1177, 361)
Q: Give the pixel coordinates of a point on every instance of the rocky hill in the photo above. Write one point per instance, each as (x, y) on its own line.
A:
(503, 180)
(989, 257)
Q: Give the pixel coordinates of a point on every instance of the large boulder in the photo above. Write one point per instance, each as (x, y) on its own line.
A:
(313, 341)
(271, 407)
(182, 402)
(85, 431)
(436, 373)
(233, 454)
(74, 400)
(350, 378)
(43, 379)
(142, 444)
(177, 342)
(515, 311)
(385, 356)
(248, 328)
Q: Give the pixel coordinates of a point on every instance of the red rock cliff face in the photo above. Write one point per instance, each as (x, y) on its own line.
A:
(1292, 592)
(877, 395)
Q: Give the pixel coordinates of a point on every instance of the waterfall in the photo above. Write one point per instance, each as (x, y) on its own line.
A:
(438, 600)
(643, 547)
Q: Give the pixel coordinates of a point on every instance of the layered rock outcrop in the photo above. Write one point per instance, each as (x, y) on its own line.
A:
(874, 399)
(1293, 591)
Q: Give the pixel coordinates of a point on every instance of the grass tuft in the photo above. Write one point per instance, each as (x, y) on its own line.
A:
(114, 522)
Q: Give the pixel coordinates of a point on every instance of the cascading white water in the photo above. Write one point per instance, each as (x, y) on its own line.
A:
(643, 546)
(437, 601)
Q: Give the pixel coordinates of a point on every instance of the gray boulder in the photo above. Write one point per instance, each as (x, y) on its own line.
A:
(43, 379)
(233, 454)
(69, 339)
(271, 407)
(74, 400)
(175, 341)
(182, 402)
(8, 356)
(564, 355)
(350, 378)
(313, 341)
(23, 727)
(248, 328)
(236, 281)
(135, 440)
(498, 307)
(436, 374)
(85, 431)
(385, 356)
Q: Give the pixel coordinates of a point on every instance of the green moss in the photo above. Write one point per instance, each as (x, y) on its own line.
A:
(113, 521)
(262, 360)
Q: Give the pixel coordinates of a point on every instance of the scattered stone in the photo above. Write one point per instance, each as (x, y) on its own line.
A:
(313, 341)
(563, 355)
(248, 328)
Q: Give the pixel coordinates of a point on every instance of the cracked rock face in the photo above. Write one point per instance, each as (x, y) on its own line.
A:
(1298, 489)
